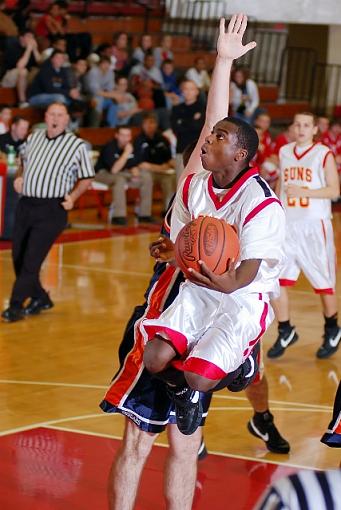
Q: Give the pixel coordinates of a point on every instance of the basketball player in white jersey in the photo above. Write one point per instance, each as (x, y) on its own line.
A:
(215, 322)
(308, 182)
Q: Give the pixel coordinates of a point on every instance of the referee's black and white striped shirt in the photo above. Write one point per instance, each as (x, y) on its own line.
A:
(305, 490)
(52, 166)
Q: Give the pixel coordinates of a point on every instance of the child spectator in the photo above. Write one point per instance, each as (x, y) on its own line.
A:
(244, 95)
(145, 48)
(119, 53)
(21, 62)
(127, 105)
(170, 83)
(5, 119)
(163, 52)
(99, 84)
(199, 75)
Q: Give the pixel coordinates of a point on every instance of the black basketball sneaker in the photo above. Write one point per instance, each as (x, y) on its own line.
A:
(285, 338)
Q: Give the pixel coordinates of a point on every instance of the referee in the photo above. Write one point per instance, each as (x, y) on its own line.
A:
(56, 171)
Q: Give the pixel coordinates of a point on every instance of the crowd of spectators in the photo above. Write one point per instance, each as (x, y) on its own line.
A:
(119, 85)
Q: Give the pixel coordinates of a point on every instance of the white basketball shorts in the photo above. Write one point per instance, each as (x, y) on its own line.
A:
(309, 247)
(212, 332)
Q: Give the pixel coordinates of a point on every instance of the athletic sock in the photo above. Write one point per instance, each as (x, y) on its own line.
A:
(263, 418)
(330, 322)
(284, 326)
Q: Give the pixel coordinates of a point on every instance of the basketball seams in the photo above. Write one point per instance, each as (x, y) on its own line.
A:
(199, 237)
(222, 225)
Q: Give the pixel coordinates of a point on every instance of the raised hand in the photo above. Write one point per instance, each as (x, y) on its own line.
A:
(229, 44)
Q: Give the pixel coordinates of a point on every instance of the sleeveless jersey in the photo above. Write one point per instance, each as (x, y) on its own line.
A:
(251, 207)
(305, 169)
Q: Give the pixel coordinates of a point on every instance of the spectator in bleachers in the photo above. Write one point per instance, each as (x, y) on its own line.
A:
(164, 51)
(5, 119)
(117, 167)
(268, 169)
(147, 83)
(187, 120)
(244, 95)
(77, 72)
(59, 43)
(127, 105)
(145, 48)
(332, 138)
(199, 75)
(79, 44)
(322, 126)
(51, 84)
(16, 136)
(119, 51)
(99, 84)
(7, 26)
(21, 61)
(153, 152)
(50, 25)
(104, 50)
(170, 83)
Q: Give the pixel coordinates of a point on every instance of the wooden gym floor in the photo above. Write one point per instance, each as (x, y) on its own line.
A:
(57, 445)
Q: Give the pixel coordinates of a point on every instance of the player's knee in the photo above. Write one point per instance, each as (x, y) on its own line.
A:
(199, 383)
(153, 359)
(137, 443)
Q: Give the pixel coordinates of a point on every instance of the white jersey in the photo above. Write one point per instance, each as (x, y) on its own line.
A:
(250, 206)
(305, 169)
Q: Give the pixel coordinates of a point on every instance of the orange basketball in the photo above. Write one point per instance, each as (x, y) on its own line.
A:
(211, 240)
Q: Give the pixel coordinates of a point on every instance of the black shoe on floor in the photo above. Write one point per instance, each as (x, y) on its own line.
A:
(146, 219)
(266, 430)
(284, 339)
(188, 409)
(202, 452)
(37, 305)
(12, 314)
(331, 342)
(119, 220)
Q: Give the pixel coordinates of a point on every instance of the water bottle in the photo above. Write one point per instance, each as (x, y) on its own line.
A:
(11, 160)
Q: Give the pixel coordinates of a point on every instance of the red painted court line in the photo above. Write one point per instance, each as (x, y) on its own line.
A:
(86, 235)
(48, 469)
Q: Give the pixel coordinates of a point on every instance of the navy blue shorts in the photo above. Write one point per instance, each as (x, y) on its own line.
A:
(133, 391)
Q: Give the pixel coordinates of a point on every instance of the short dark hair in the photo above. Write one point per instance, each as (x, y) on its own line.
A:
(17, 118)
(247, 137)
(150, 116)
(57, 52)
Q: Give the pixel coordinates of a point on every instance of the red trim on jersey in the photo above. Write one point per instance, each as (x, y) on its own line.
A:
(260, 371)
(286, 283)
(201, 367)
(326, 156)
(177, 339)
(262, 323)
(324, 291)
(220, 202)
(259, 208)
(185, 189)
(300, 156)
(324, 232)
(134, 360)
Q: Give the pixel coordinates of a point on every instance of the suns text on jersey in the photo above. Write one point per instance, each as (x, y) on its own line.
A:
(297, 173)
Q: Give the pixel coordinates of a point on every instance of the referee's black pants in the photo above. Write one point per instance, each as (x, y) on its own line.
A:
(38, 223)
